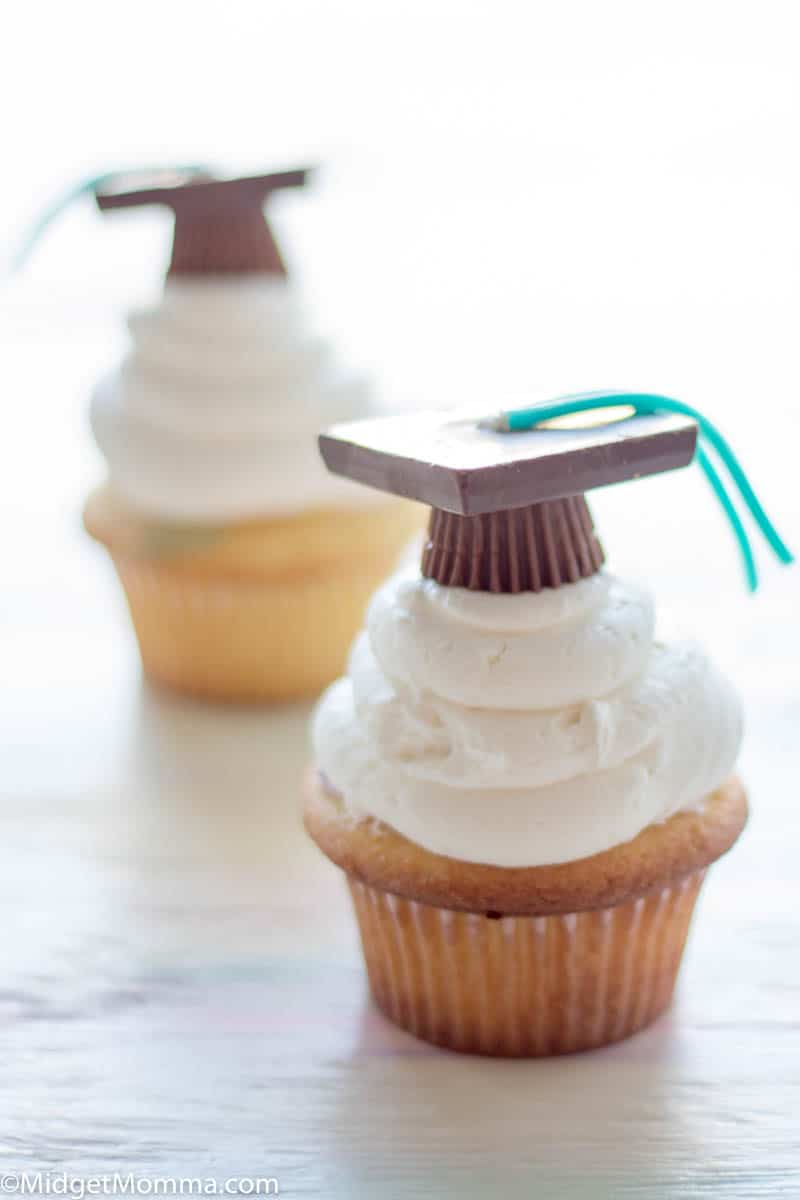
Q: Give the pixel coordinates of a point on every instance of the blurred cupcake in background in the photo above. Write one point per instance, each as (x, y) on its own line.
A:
(246, 566)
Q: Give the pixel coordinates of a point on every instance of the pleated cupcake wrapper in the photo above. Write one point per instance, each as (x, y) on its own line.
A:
(245, 640)
(524, 986)
(515, 550)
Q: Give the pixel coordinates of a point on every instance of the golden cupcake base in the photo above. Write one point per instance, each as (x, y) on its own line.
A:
(255, 612)
(524, 986)
(244, 640)
(525, 962)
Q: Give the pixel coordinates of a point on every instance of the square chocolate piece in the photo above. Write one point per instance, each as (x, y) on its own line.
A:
(452, 462)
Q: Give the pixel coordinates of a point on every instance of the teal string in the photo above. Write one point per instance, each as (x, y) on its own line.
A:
(86, 187)
(739, 530)
(649, 402)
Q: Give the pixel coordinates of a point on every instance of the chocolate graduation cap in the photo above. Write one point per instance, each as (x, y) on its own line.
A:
(509, 511)
(220, 227)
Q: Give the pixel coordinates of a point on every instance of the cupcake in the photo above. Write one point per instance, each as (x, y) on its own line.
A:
(245, 565)
(523, 786)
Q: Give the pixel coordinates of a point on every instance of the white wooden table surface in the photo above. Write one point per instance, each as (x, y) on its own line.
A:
(181, 988)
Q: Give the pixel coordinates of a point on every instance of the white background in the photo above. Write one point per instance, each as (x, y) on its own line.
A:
(518, 199)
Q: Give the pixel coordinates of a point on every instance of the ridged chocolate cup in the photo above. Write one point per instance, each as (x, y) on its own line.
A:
(526, 549)
(225, 243)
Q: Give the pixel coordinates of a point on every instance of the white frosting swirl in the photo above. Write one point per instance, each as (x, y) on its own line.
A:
(214, 413)
(523, 729)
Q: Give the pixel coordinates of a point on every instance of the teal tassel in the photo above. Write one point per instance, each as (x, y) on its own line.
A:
(86, 187)
(647, 402)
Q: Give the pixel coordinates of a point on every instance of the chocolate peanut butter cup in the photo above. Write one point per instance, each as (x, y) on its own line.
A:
(514, 550)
